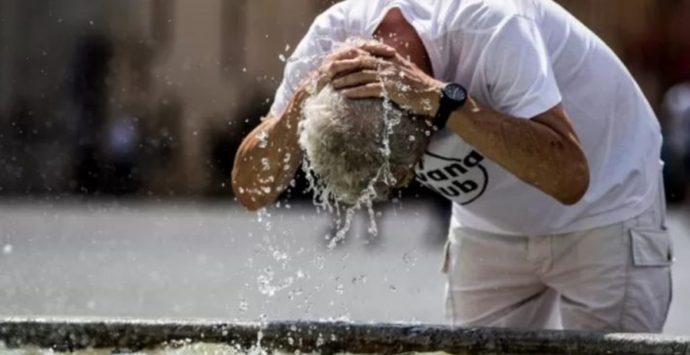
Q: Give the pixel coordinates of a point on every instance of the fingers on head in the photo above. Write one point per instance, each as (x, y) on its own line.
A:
(375, 89)
(345, 66)
(379, 49)
(365, 49)
(348, 53)
(358, 78)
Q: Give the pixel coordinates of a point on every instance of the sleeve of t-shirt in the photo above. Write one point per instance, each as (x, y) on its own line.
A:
(518, 70)
(324, 34)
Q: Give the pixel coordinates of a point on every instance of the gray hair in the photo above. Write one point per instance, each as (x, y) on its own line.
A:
(359, 149)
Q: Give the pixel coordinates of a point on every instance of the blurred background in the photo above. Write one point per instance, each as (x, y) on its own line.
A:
(119, 121)
(152, 97)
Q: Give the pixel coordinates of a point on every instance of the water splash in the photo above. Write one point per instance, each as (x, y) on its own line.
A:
(326, 199)
(264, 217)
(263, 138)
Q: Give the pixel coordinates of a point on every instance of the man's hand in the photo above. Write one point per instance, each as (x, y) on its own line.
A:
(345, 61)
(377, 70)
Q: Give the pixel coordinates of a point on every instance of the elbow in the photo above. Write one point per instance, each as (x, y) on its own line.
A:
(247, 196)
(250, 204)
(244, 183)
(244, 192)
(251, 201)
(247, 201)
(575, 184)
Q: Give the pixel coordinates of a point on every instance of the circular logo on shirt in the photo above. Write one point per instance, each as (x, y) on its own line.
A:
(461, 180)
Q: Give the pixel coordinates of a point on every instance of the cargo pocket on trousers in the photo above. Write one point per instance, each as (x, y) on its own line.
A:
(651, 248)
(649, 289)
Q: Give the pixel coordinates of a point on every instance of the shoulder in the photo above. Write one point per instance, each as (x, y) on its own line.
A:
(333, 16)
(352, 16)
(326, 30)
(343, 19)
(487, 15)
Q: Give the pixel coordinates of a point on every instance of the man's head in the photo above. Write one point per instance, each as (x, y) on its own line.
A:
(352, 145)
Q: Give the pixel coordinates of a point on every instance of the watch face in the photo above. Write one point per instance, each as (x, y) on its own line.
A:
(455, 92)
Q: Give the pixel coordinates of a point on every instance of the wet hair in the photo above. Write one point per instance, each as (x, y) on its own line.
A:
(359, 149)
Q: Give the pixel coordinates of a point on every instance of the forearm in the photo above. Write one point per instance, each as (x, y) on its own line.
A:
(269, 157)
(530, 149)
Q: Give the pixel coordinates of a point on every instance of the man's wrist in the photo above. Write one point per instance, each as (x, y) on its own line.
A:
(459, 114)
(435, 95)
(452, 97)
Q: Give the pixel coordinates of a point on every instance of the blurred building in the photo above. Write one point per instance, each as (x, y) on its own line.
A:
(181, 75)
(153, 96)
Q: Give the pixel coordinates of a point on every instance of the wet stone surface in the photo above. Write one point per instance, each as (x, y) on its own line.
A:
(178, 260)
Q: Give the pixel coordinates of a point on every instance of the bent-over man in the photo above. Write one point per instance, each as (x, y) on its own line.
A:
(544, 143)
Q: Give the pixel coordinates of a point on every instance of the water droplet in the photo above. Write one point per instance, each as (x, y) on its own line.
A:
(409, 259)
(279, 256)
(265, 164)
(359, 279)
(263, 138)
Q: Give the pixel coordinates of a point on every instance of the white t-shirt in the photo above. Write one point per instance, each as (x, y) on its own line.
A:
(519, 57)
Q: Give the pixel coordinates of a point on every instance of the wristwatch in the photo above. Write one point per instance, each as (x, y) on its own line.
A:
(453, 97)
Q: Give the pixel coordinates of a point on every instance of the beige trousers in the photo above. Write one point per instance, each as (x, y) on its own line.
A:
(614, 278)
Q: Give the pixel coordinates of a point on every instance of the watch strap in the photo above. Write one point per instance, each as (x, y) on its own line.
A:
(453, 96)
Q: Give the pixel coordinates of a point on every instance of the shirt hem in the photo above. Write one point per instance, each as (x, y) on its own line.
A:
(579, 225)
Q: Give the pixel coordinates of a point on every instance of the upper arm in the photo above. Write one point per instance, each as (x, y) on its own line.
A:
(518, 71)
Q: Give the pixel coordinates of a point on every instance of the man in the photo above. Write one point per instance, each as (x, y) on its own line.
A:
(545, 144)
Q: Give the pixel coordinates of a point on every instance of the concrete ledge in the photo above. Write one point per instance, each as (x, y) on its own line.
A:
(327, 337)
